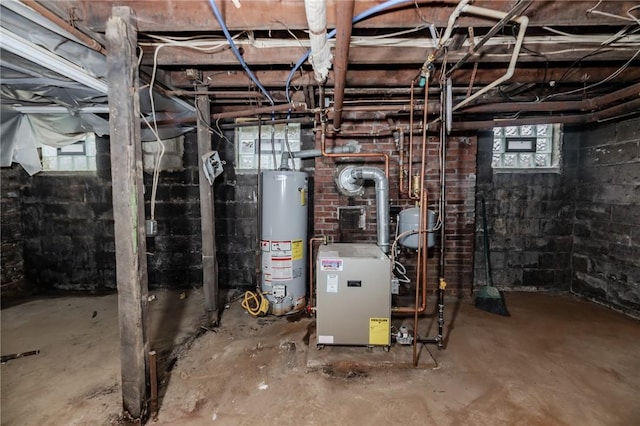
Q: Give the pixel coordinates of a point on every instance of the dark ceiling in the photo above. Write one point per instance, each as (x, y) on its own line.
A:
(579, 61)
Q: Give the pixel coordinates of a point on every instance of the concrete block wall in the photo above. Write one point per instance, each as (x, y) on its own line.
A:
(530, 223)
(12, 278)
(460, 211)
(68, 228)
(606, 238)
(68, 236)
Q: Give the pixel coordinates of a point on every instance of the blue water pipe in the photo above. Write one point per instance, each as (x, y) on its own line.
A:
(331, 34)
(225, 30)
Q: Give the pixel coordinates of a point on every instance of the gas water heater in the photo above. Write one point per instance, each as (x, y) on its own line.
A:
(283, 237)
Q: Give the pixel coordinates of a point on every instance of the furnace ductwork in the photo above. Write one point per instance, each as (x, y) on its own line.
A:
(351, 178)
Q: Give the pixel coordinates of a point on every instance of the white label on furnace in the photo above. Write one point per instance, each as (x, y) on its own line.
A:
(331, 264)
(332, 283)
(325, 340)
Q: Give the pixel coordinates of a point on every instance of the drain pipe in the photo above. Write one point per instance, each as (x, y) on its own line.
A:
(344, 26)
(320, 56)
(350, 180)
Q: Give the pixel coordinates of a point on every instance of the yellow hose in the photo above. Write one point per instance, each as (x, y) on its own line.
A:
(255, 303)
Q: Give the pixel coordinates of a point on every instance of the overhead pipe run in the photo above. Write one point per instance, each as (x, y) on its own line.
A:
(320, 56)
(315, 153)
(344, 12)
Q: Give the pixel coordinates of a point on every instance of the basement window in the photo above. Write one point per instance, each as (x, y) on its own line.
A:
(77, 157)
(528, 147)
(267, 153)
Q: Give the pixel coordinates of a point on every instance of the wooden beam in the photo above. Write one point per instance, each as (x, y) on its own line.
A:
(128, 208)
(401, 77)
(195, 15)
(377, 55)
(207, 212)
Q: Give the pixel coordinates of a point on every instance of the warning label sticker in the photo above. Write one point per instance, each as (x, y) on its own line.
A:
(379, 331)
(297, 249)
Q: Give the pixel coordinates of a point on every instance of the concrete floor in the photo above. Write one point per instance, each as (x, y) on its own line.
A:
(555, 361)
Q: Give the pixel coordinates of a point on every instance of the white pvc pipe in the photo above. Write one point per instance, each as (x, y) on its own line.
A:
(461, 7)
(320, 56)
(524, 22)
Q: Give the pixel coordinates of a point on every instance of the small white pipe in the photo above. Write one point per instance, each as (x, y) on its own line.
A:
(461, 7)
(524, 22)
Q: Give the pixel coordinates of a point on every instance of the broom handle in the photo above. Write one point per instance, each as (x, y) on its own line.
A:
(485, 237)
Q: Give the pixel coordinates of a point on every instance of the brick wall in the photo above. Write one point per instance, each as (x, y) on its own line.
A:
(12, 282)
(461, 181)
(530, 222)
(606, 238)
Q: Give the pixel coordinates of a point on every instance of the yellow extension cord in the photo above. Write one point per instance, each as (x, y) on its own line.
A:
(255, 303)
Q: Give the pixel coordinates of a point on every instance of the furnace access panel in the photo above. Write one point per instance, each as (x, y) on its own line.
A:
(353, 295)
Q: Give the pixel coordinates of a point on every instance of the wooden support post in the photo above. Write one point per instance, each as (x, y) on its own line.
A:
(128, 208)
(207, 213)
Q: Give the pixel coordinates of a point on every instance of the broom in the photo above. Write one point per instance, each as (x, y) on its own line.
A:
(489, 298)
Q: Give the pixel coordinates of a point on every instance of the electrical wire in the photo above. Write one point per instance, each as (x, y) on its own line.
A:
(591, 86)
(234, 48)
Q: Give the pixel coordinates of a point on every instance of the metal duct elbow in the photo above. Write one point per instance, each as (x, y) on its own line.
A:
(358, 174)
(320, 57)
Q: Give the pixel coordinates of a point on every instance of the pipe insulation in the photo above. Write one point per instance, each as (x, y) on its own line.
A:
(355, 176)
(320, 56)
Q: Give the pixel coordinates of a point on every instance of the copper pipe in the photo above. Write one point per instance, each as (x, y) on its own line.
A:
(424, 134)
(421, 266)
(323, 239)
(410, 161)
(89, 41)
(323, 142)
(344, 27)
(401, 161)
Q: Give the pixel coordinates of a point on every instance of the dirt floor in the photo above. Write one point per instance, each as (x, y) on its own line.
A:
(555, 361)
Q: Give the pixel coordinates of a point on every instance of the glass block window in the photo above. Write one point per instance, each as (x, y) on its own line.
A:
(249, 151)
(527, 147)
(77, 157)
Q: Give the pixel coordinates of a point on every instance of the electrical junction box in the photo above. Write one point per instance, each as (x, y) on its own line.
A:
(353, 295)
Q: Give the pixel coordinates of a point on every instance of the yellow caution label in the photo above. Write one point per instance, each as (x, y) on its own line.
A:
(297, 249)
(379, 331)
(303, 196)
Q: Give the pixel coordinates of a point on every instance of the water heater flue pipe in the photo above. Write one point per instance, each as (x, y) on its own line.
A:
(315, 153)
(357, 174)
